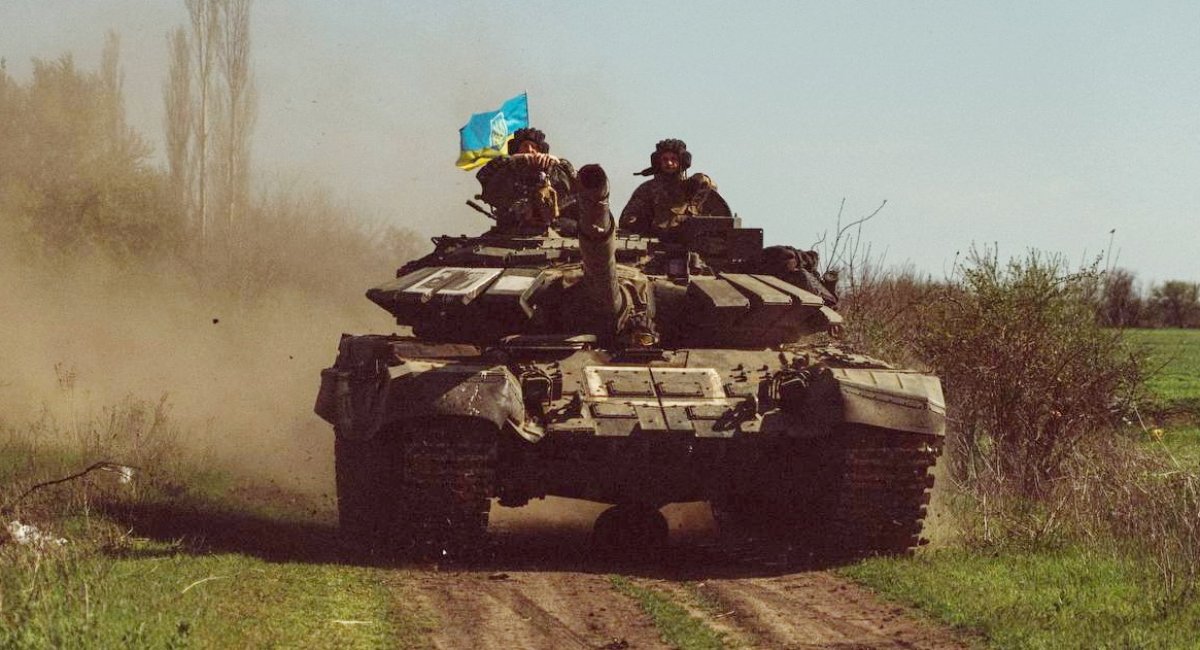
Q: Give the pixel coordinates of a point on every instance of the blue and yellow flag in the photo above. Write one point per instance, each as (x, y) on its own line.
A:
(486, 135)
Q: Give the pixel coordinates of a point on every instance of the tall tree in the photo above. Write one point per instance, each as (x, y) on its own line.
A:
(178, 120)
(127, 146)
(239, 105)
(111, 83)
(1121, 305)
(10, 114)
(203, 15)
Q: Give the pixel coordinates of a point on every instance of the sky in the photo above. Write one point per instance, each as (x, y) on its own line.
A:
(1014, 125)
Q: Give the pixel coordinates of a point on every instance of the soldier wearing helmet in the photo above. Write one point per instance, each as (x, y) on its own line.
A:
(528, 188)
(667, 200)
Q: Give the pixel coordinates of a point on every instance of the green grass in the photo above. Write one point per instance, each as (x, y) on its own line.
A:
(221, 565)
(1184, 444)
(1077, 597)
(1071, 598)
(1174, 356)
(677, 626)
(162, 596)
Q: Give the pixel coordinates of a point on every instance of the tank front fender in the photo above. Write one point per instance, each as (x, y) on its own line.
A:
(417, 389)
(892, 399)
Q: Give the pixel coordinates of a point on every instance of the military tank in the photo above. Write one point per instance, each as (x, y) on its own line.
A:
(626, 370)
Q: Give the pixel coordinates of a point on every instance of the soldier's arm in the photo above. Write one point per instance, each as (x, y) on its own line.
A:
(566, 171)
(540, 161)
(704, 197)
(563, 178)
(638, 213)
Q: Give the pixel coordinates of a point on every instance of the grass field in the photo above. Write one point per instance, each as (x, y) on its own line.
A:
(1068, 598)
(166, 595)
(1174, 385)
(1174, 356)
(210, 569)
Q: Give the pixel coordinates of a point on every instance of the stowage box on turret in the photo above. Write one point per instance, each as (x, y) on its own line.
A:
(630, 371)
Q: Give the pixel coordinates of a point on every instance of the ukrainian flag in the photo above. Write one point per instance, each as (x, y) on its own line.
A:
(486, 135)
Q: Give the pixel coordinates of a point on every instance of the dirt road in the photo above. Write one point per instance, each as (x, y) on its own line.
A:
(540, 586)
(820, 610)
(541, 589)
(535, 610)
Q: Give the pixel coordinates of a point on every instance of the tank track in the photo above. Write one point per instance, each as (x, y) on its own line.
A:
(873, 489)
(448, 480)
(883, 495)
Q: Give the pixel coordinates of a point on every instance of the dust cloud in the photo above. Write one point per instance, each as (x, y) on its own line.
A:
(240, 378)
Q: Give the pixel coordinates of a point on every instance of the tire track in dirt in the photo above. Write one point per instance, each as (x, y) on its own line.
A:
(820, 610)
(533, 610)
(541, 587)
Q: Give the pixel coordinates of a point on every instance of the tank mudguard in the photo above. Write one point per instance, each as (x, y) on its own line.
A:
(371, 387)
(423, 389)
(891, 399)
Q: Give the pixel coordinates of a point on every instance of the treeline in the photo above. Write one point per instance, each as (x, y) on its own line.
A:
(1124, 302)
(73, 174)
(77, 181)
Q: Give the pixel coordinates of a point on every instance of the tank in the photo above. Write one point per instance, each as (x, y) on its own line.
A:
(631, 371)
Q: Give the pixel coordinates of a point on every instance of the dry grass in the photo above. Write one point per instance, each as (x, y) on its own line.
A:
(1140, 502)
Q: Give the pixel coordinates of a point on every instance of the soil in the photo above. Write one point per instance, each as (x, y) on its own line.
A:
(818, 609)
(534, 610)
(538, 584)
(540, 587)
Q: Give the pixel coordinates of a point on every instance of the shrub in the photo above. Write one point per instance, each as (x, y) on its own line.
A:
(884, 310)
(1028, 370)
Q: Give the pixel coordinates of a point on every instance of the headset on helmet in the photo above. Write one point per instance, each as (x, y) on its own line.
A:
(536, 136)
(679, 147)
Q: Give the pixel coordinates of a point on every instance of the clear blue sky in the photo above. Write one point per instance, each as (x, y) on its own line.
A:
(1024, 125)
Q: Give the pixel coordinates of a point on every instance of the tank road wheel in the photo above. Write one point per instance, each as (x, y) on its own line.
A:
(882, 493)
(366, 488)
(449, 476)
(627, 529)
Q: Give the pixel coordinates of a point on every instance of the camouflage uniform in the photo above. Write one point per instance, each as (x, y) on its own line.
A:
(665, 201)
(527, 187)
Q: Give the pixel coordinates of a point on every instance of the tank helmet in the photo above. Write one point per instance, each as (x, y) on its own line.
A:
(536, 136)
(679, 147)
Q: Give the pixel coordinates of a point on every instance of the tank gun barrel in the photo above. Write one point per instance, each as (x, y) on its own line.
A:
(597, 246)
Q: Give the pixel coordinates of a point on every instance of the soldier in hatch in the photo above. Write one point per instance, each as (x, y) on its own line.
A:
(529, 188)
(667, 200)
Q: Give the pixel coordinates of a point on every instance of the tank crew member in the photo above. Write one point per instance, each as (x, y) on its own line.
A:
(529, 188)
(668, 199)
